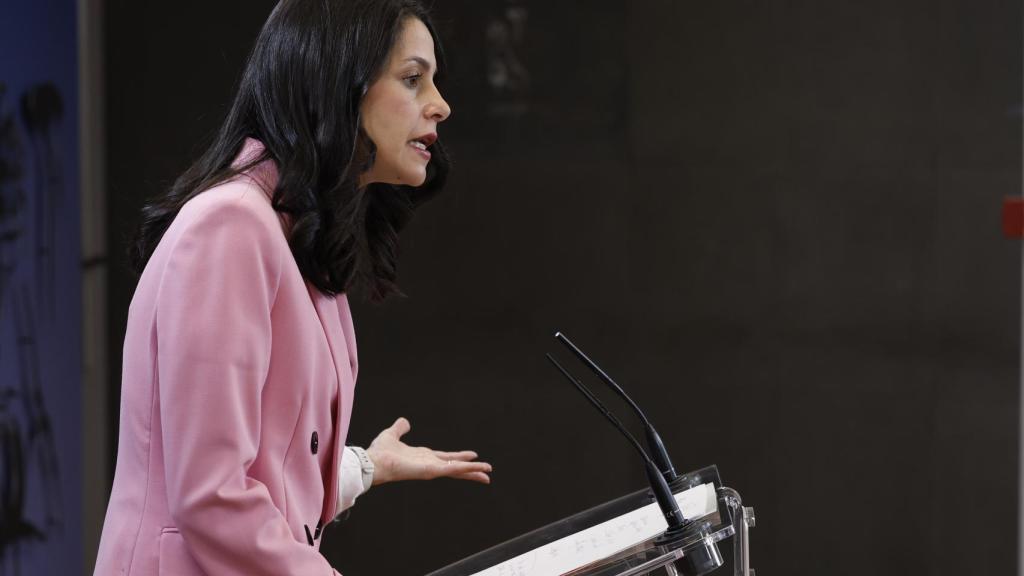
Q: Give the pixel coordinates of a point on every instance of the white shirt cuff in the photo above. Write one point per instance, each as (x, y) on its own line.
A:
(352, 483)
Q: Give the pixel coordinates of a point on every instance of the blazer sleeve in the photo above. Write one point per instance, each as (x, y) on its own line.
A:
(213, 340)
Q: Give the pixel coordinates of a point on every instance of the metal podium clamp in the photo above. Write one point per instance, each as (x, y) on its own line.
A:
(665, 561)
(742, 520)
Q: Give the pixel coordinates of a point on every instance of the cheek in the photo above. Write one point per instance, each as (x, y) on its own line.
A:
(390, 119)
(397, 118)
(396, 105)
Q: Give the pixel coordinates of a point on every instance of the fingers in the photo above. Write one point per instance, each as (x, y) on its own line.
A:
(464, 456)
(474, 477)
(477, 471)
(401, 427)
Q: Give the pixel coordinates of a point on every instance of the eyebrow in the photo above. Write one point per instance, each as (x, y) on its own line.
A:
(420, 61)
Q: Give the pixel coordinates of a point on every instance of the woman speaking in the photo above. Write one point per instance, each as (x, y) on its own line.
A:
(240, 356)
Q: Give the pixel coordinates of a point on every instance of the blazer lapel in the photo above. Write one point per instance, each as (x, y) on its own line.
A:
(345, 318)
(337, 324)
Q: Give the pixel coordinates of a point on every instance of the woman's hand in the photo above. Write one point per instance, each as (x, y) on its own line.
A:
(393, 460)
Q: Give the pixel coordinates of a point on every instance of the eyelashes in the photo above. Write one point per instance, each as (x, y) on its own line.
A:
(413, 80)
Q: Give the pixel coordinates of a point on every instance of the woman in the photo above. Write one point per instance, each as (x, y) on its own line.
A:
(239, 358)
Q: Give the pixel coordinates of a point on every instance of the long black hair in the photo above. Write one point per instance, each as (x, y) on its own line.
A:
(300, 95)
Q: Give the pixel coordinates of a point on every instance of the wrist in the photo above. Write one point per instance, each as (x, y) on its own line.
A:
(367, 467)
(377, 460)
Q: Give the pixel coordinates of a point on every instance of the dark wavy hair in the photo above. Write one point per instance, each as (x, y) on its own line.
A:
(300, 95)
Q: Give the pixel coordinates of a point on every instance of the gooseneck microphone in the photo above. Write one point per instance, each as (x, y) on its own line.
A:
(677, 523)
(654, 444)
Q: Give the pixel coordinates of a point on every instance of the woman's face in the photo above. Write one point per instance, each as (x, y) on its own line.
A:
(402, 108)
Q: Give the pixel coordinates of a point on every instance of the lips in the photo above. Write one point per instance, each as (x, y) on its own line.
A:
(426, 139)
(423, 142)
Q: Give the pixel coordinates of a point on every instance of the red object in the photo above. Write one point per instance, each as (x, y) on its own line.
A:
(1013, 216)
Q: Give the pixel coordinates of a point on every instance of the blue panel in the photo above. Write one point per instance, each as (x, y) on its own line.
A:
(40, 290)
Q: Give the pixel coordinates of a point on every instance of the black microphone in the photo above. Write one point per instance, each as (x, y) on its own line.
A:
(677, 523)
(654, 444)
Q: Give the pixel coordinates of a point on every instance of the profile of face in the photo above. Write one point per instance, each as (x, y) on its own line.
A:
(402, 109)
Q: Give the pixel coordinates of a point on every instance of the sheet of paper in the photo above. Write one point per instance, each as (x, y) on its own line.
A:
(604, 539)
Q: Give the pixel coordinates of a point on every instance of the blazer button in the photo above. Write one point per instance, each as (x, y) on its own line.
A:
(314, 443)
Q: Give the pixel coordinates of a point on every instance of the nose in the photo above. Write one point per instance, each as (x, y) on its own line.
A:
(438, 110)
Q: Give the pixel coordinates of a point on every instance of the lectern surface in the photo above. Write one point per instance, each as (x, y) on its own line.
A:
(598, 533)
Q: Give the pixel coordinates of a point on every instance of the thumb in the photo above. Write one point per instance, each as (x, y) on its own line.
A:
(401, 427)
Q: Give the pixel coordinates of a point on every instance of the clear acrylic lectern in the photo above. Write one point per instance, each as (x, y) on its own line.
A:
(621, 538)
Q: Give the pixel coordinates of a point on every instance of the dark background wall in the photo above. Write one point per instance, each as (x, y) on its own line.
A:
(776, 223)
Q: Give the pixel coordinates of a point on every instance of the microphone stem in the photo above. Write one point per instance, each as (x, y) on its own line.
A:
(666, 501)
(654, 443)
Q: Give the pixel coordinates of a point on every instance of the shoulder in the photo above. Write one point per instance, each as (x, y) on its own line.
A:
(239, 200)
(231, 219)
(238, 205)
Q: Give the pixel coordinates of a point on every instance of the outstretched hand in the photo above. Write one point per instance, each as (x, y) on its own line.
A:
(394, 460)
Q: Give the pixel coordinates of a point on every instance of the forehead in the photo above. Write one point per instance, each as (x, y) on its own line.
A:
(414, 41)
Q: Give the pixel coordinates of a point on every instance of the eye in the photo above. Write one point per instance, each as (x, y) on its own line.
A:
(413, 80)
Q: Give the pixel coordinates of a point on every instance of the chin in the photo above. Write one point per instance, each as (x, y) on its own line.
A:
(399, 174)
(415, 178)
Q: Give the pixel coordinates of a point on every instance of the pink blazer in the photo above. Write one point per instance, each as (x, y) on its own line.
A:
(236, 396)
